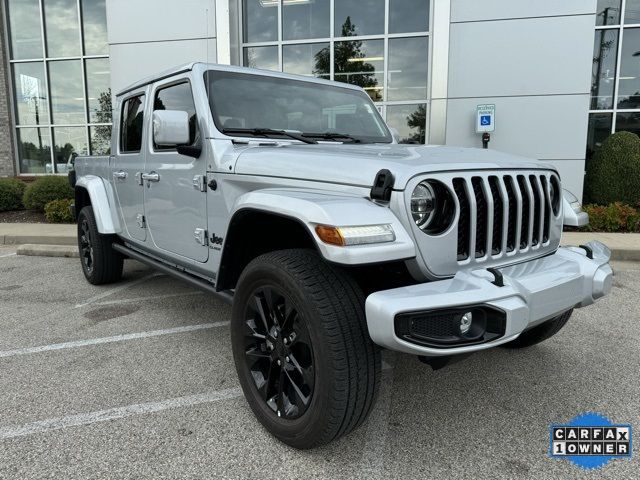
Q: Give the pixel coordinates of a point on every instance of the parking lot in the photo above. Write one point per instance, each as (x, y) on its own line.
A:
(136, 380)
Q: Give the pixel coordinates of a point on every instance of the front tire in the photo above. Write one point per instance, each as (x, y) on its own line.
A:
(304, 358)
(101, 264)
(541, 332)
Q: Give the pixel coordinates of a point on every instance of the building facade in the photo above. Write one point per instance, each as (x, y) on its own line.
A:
(426, 63)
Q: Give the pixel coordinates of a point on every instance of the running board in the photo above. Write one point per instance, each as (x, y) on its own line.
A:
(226, 295)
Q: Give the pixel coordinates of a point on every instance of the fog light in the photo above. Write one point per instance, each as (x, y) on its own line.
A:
(465, 323)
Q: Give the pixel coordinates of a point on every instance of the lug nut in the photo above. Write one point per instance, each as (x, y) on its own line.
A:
(279, 414)
(279, 363)
(287, 359)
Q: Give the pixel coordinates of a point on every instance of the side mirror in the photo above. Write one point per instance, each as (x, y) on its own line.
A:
(170, 127)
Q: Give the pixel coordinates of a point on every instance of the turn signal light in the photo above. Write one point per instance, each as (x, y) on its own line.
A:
(356, 235)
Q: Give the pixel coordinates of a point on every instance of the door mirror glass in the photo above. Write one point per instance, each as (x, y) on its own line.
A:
(170, 127)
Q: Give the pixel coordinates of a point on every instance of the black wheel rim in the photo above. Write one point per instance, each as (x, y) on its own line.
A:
(278, 353)
(86, 248)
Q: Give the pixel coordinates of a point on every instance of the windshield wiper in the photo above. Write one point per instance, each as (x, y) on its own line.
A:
(332, 136)
(269, 132)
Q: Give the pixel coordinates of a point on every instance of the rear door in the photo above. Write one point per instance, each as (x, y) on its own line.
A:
(176, 200)
(129, 164)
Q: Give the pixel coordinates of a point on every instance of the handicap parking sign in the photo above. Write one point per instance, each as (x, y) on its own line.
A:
(485, 118)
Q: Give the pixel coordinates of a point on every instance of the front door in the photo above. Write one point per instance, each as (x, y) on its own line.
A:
(175, 191)
(128, 165)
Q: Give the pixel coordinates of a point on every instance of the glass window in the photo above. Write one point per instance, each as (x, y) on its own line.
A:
(100, 139)
(265, 58)
(407, 75)
(24, 29)
(358, 17)
(260, 20)
(410, 122)
(67, 94)
(408, 16)
(131, 125)
(178, 97)
(68, 143)
(254, 101)
(63, 31)
(305, 19)
(34, 150)
(98, 89)
(608, 12)
(311, 59)
(632, 12)
(599, 130)
(94, 27)
(361, 62)
(628, 122)
(32, 107)
(629, 82)
(605, 51)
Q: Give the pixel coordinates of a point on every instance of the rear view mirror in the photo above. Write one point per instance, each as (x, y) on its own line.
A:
(170, 127)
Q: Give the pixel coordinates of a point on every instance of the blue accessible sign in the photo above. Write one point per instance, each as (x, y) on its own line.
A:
(485, 118)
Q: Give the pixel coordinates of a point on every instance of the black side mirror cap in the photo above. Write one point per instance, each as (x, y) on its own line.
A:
(189, 150)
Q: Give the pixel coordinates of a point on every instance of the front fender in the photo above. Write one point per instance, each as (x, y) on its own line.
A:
(318, 208)
(102, 201)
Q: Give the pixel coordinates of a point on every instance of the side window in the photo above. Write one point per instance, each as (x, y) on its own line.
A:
(178, 97)
(131, 125)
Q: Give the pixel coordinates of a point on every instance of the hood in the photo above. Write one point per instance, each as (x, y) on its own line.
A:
(358, 164)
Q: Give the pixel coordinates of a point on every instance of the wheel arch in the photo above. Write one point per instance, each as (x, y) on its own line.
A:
(92, 191)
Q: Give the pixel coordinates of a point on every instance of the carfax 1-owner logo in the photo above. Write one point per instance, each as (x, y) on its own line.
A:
(590, 441)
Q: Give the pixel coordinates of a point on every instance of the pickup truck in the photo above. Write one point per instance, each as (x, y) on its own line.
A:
(289, 198)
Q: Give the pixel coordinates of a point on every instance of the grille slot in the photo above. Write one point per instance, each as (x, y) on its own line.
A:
(502, 214)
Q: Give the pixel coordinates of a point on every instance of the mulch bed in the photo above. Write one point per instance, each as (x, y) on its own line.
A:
(22, 216)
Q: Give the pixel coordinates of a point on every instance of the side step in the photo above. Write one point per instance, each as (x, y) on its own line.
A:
(226, 296)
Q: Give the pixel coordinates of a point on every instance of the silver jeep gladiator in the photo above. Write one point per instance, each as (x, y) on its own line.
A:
(289, 198)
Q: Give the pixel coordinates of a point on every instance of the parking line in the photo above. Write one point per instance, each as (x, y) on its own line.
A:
(9, 255)
(60, 423)
(117, 289)
(144, 299)
(115, 338)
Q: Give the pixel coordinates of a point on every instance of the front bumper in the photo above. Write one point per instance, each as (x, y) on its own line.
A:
(533, 292)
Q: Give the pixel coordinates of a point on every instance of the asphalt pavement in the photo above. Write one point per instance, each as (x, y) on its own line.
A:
(136, 380)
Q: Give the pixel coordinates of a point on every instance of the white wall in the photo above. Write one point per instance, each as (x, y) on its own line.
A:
(148, 36)
(533, 61)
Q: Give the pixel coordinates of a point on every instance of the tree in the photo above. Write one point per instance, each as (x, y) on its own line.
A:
(101, 138)
(417, 120)
(347, 68)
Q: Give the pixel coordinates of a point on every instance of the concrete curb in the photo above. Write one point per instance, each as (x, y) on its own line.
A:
(625, 255)
(66, 251)
(37, 240)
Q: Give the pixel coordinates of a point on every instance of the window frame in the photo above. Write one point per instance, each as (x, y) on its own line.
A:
(121, 119)
(163, 86)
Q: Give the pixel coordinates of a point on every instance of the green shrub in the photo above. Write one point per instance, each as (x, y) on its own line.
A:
(45, 190)
(11, 192)
(57, 211)
(613, 175)
(616, 217)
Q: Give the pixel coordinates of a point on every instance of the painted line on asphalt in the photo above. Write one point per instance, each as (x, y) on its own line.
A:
(113, 339)
(117, 289)
(145, 299)
(9, 255)
(59, 423)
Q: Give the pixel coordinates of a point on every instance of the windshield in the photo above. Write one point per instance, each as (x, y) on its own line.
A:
(242, 101)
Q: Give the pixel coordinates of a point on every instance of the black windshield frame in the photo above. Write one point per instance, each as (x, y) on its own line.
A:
(360, 99)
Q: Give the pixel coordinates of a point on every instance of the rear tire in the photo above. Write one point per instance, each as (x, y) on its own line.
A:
(292, 307)
(101, 264)
(541, 332)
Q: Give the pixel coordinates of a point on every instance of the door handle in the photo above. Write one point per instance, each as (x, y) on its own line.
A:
(151, 177)
(121, 175)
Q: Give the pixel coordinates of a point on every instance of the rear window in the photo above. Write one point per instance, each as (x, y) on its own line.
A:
(131, 124)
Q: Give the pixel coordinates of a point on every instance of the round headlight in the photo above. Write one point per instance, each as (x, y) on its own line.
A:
(423, 203)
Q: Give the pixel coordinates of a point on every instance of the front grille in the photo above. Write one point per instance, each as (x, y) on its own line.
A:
(502, 213)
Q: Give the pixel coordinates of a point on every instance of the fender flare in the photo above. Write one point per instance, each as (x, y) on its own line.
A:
(312, 208)
(102, 201)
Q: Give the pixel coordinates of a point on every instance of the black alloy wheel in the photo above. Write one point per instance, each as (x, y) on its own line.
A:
(86, 248)
(278, 352)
